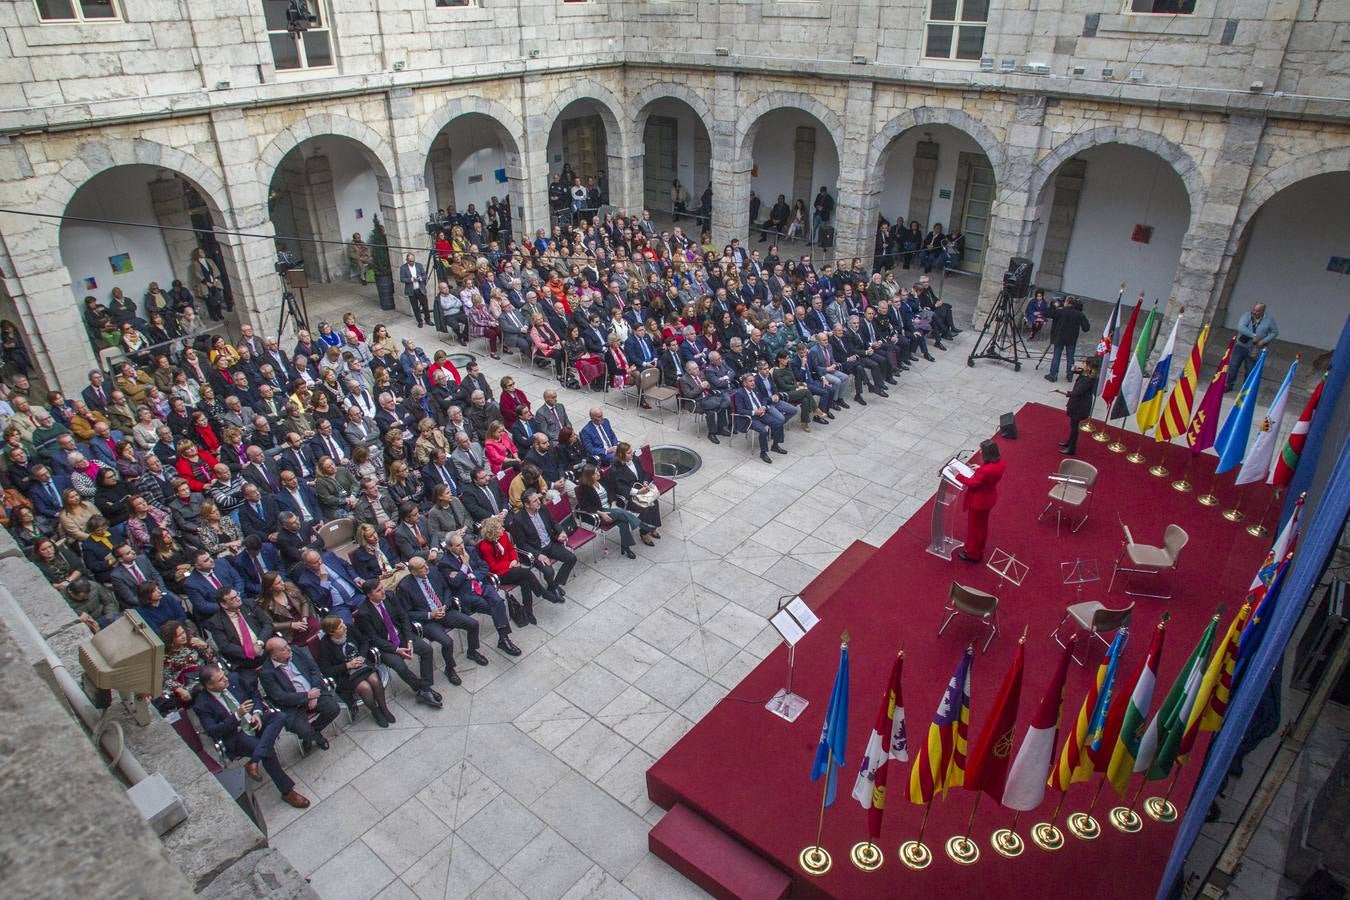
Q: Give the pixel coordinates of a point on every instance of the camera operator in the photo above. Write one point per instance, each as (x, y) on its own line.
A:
(1067, 321)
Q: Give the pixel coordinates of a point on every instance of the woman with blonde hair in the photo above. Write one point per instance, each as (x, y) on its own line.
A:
(500, 450)
(219, 535)
(73, 520)
(429, 440)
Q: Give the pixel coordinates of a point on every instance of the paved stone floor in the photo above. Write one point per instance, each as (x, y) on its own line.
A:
(530, 782)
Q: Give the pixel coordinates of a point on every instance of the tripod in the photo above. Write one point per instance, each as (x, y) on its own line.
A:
(1004, 331)
(290, 311)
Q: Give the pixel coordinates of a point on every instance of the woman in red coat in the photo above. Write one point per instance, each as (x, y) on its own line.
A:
(504, 562)
(195, 466)
(980, 497)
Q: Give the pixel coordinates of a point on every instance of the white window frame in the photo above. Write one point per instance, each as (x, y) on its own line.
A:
(956, 25)
(325, 25)
(80, 17)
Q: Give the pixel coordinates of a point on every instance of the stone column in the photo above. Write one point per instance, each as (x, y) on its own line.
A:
(169, 202)
(1059, 223)
(857, 201)
(403, 195)
(730, 169)
(533, 191)
(442, 172)
(922, 181)
(625, 179)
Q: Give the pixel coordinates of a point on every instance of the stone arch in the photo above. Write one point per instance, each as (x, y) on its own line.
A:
(662, 90)
(609, 108)
(880, 148)
(747, 126)
(1323, 162)
(1173, 154)
(96, 157)
(507, 121)
(321, 125)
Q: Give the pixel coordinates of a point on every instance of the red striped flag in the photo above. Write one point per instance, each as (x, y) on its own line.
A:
(1177, 416)
(1287, 461)
(941, 760)
(988, 767)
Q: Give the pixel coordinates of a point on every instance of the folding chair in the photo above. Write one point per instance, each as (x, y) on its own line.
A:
(1145, 559)
(962, 599)
(1097, 618)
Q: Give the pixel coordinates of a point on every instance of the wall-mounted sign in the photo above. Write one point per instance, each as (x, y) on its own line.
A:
(944, 194)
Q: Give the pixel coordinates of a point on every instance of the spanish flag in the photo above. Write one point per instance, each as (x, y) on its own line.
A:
(941, 761)
(1075, 764)
(1177, 415)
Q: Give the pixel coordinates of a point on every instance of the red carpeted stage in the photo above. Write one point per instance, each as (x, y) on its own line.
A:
(747, 772)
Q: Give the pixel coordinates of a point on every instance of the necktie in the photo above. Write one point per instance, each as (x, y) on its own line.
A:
(215, 582)
(245, 633)
(389, 629)
(492, 501)
(136, 573)
(432, 600)
(232, 706)
(417, 533)
(258, 509)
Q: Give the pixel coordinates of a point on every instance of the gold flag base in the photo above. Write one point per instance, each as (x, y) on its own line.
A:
(1007, 843)
(1233, 515)
(963, 850)
(1207, 500)
(1083, 826)
(1116, 447)
(915, 855)
(1046, 836)
(1256, 529)
(1085, 426)
(1158, 471)
(1100, 436)
(1181, 486)
(1126, 820)
(815, 860)
(1160, 809)
(1136, 457)
(866, 856)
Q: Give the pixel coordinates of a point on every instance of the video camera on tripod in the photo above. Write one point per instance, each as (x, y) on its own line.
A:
(1001, 336)
(1017, 280)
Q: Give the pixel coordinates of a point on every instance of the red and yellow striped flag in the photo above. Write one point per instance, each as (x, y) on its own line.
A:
(1176, 417)
(941, 761)
(1075, 762)
(1216, 686)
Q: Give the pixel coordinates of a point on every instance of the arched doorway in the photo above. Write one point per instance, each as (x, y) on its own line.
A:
(472, 160)
(794, 155)
(676, 145)
(579, 144)
(936, 174)
(1285, 258)
(325, 189)
(102, 256)
(1111, 214)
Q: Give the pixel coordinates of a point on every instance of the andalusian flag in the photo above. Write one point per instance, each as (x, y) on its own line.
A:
(1126, 749)
(941, 762)
(1287, 462)
(1256, 464)
(1231, 444)
(1158, 748)
(1132, 384)
(834, 735)
(1118, 361)
(1205, 421)
(1025, 788)
(1176, 415)
(1151, 403)
(1216, 686)
(1075, 765)
(887, 742)
(988, 767)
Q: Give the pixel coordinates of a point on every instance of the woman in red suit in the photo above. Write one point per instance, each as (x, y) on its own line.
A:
(504, 562)
(980, 497)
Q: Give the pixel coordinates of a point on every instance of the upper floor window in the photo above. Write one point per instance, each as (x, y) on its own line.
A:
(79, 10)
(955, 29)
(455, 2)
(1162, 7)
(299, 33)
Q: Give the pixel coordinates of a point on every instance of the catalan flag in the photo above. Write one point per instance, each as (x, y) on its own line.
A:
(941, 762)
(1151, 401)
(1216, 686)
(887, 742)
(988, 767)
(1205, 420)
(834, 734)
(1177, 416)
(1158, 748)
(1126, 749)
(1287, 462)
(1075, 765)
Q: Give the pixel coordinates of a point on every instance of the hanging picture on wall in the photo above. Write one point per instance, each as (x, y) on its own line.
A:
(121, 263)
(500, 175)
(360, 213)
(91, 283)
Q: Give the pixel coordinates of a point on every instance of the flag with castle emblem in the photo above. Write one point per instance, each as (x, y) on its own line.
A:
(1256, 464)
(941, 760)
(1025, 788)
(887, 742)
(987, 769)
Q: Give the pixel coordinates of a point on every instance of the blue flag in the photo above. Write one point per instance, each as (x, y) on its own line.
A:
(1106, 693)
(1260, 620)
(833, 737)
(1231, 444)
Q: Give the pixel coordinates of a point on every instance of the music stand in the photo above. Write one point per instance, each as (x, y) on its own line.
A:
(792, 620)
(1079, 572)
(1007, 567)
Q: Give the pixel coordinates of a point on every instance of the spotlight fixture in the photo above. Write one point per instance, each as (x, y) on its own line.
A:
(860, 60)
(298, 17)
(400, 65)
(1007, 65)
(721, 51)
(1108, 73)
(1257, 87)
(1078, 70)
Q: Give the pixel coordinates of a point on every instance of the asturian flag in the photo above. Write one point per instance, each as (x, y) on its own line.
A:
(887, 742)
(1256, 465)
(1025, 788)
(1150, 403)
(1231, 444)
(941, 761)
(1283, 473)
(1176, 416)
(1121, 766)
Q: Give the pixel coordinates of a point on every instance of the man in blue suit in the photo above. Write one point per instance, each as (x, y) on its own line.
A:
(256, 559)
(207, 577)
(258, 515)
(236, 716)
(292, 681)
(330, 583)
(44, 492)
(297, 497)
(103, 445)
(598, 437)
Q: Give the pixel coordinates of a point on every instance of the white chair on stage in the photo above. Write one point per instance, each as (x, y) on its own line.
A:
(1071, 493)
(962, 599)
(1096, 618)
(1145, 559)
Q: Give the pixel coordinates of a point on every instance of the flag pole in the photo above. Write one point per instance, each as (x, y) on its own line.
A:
(1159, 470)
(1258, 528)
(1208, 498)
(1183, 485)
(1086, 425)
(1136, 456)
(1047, 835)
(961, 848)
(1161, 809)
(1082, 824)
(816, 859)
(1007, 843)
(1235, 514)
(1124, 817)
(866, 855)
(914, 854)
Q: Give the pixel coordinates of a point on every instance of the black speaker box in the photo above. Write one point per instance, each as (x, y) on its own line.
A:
(1007, 426)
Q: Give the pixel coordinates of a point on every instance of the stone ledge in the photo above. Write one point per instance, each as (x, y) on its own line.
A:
(261, 875)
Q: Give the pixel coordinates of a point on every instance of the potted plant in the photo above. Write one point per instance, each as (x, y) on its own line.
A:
(379, 264)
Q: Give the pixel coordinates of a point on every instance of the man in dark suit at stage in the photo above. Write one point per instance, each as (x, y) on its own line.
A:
(292, 681)
(980, 496)
(1079, 405)
(232, 712)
